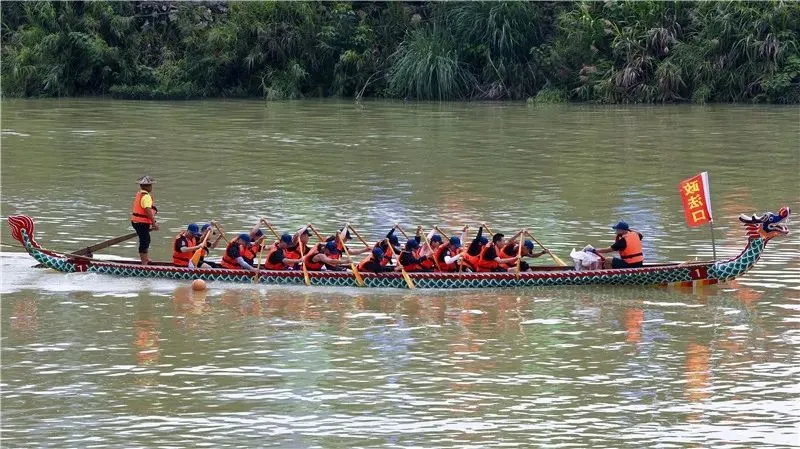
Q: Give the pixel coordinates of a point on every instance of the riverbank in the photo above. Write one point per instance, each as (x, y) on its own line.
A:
(641, 52)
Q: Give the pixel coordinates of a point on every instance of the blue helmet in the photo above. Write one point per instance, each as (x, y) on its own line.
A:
(286, 238)
(484, 240)
(412, 244)
(455, 242)
(205, 227)
(621, 226)
(244, 237)
(394, 240)
(331, 246)
(193, 229)
(436, 238)
(258, 233)
(378, 253)
(529, 244)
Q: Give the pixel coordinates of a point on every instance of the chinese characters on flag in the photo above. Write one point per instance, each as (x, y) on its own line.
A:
(696, 198)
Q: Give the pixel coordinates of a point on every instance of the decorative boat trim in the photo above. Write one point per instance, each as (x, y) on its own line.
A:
(760, 229)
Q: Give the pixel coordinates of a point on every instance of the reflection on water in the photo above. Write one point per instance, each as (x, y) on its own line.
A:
(454, 370)
(90, 361)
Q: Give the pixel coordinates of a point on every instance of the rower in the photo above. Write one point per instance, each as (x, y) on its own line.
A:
(143, 216)
(389, 246)
(490, 260)
(277, 258)
(185, 244)
(203, 263)
(299, 238)
(345, 237)
(511, 249)
(325, 256)
(374, 263)
(472, 256)
(410, 259)
(448, 254)
(628, 244)
(237, 254)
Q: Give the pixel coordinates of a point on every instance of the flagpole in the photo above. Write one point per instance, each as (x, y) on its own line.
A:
(713, 242)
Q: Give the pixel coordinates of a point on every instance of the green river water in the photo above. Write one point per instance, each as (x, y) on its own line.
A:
(94, 361)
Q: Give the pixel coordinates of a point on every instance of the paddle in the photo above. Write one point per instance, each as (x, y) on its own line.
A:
(519, 251)
(198, 253)
(409, 281)
(463, 235)
(433, 255)
(258, 267)
(359, 237)
(268, 225)
(555, 258)
(306, 277)
(356, 274)
(221, 231)
(103, 245)
(397, 226)
(314, 230)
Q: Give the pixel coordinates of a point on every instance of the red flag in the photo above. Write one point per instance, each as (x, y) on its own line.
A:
(696, 198)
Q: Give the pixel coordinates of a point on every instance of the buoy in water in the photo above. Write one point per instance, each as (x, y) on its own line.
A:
(198, 285)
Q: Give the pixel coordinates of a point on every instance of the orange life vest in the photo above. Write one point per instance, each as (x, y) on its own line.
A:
(388, 251)
(471, 261)
(507, 252)
(250, 252)
(426, 264)
(362, 266)
(310, 264)
(294, 253)
(230, 262)
(633, 248)
(275, 266)
(485, 265)
(179, 258)
(138, 213)
(413, 266)
(440, 253)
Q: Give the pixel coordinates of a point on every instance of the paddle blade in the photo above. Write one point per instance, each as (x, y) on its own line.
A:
(306, 277)
(558, 260)
(409, 281)
(357, 275)
(198, 254)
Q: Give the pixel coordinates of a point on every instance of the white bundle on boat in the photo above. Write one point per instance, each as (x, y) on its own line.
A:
(585, 259)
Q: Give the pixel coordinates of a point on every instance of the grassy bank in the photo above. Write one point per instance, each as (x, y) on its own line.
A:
(612, 52)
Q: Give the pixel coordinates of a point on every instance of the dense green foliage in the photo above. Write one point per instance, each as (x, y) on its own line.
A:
(606, 52)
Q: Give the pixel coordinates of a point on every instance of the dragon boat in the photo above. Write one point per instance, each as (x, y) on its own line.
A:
(760, 229)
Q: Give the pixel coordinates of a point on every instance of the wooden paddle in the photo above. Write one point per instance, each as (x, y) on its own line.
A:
(314, 230)
(356, 274)
(306, 277)
(359, 237)
(198, 253)
(433, 255)
(519, 251)
(397, 226)
(221, 231)
(103, 245)
(555, 258)
(258, 267)
(464, 234)
(268, 225)
(409, 281)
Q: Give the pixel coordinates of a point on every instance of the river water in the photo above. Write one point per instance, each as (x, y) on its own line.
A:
(92, 361)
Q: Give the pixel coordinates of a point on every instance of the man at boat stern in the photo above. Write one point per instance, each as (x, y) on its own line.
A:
(143, 216)
(628, 244)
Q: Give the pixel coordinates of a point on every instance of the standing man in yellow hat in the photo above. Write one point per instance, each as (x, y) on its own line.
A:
(143, 216)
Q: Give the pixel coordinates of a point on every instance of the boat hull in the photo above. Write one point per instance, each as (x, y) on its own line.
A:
(660, 275)
(686, 274)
